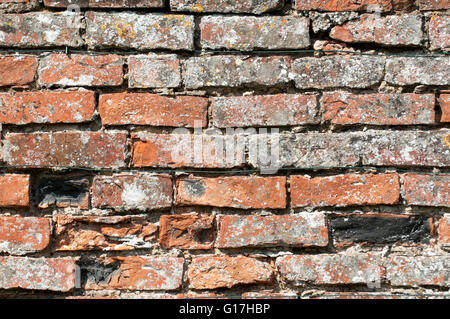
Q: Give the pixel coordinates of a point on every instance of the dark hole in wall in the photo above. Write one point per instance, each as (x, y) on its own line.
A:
(62, 191)
(96, 272)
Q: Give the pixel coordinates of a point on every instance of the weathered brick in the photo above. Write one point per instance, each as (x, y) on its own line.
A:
(444, 103)
(344, 190)
(444, 230)
(434, 4)
(46, 107)
(55, 274)
(63, 191)
(235, 191)
(39, 29)
(139, 31)
(84, 149)
(304, 229)
(225, 6)
(264, 110)
(14, 190)
(211, 272)
(331, 269)
(105, 3)
(418, 70)
(152, 109)
(80, 70)
(337, 71)
(344, 5)
(17, 70)
(391, 30)
(419, 270)
(187, 231)
(186, 150)
(134, 273)
(103, 233)
(235, 71)
(248, 33)
(378, 108)
(380, 228)
(426, 189)
(139, 191)
(24, 235)
(406, 148)
(439, 32)
(154, 71)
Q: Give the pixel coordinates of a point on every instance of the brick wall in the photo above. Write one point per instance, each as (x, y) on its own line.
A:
(117, 175)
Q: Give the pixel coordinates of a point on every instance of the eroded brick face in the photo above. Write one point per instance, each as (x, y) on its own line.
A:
(17, 70)
(345, 5)
(224, 6)
(14, 190)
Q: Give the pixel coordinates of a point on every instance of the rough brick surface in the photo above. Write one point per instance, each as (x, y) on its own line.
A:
(248, 33)
(73, 233)
(444, 230)
(391, 30)
(17, 70)
(187, 231)
(444, 103)
(344, 190)
(304, 229)
(132, 191)
(426, 189)
(152, 109)
(434, 4)
(14, 190)
(80, 70)
(224, 6)
(106, 3)
(378, 109)
(234, 71)
(212, 272)
(131, 30)
(331, 268)
(439, 32)
(264, 110)
(38, 29)
(238, 192)
(46, 107)
(24, 235)
(344, 5)
(154, 71)
(337, 71)
(85, 149)
(55, 274)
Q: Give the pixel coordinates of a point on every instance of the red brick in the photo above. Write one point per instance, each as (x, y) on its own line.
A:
(434, 4)
(139, 191)
(390, 30)
(187, 231)
(378, 109)
(154, 71)
(426, 189)
(439, 32)
(14, 190)
(343, 5)
(444, 230)
(39, 29)
(420, 270)
(331, 269)
(248, 33)
(211, 272)
(444, 103)
(182, 150)
(139, 273)
(345, 190)
(152, 109)
(46, 107)
(17, 70)
(238, 191)
(83, 149)
(106, 3)
(55, 274)
(23, 235)
(103, 233)
(225, 6)
(264, 110)
(81, 70)
(304, 229)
